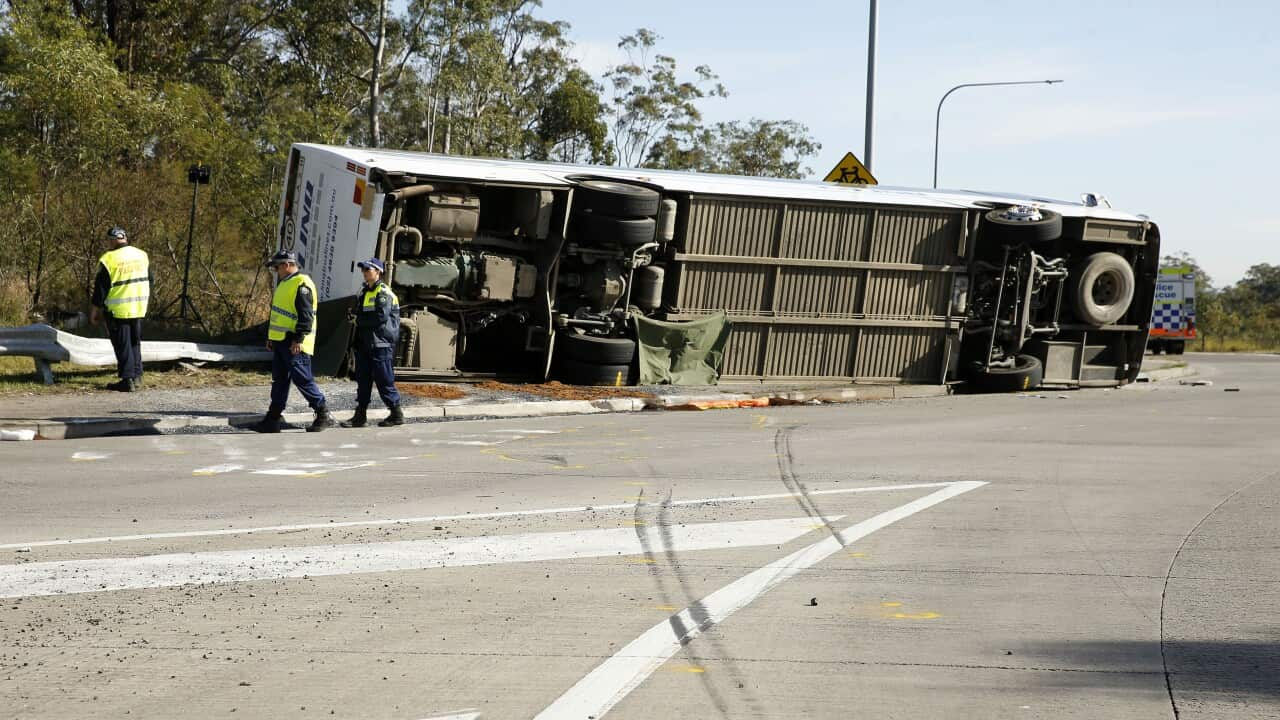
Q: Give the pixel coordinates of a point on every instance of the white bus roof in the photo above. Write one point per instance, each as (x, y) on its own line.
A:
(526, 172)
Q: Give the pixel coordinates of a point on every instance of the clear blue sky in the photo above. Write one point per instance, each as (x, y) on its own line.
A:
(1170, 107)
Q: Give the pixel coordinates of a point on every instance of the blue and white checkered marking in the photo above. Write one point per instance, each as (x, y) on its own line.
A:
(1167, 317)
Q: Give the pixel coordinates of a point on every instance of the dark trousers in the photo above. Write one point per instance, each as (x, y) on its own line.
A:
(126, 340)
(288, 368)
(376, 365)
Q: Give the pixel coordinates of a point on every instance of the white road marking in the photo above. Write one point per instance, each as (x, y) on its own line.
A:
(447, 518)
(304, 469)
(612, 680)
(170, 570)
(216, 469)
(464, 715)
(84, 455)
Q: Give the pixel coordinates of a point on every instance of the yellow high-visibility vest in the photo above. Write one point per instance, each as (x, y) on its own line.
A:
(371, 297)
(284, 316)
(130, 285)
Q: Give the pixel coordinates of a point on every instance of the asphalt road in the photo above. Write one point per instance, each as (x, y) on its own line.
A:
(1092, 554)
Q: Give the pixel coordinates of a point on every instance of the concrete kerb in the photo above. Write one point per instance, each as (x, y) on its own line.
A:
(1169, 373)
(99, 427)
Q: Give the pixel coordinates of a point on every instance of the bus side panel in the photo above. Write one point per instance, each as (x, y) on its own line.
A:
(823, 290)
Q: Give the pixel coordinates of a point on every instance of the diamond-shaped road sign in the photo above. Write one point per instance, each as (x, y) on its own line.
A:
(850, 171)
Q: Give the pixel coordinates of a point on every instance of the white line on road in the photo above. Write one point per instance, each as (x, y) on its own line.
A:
(170, 570)
(446, 518)
(464, 715)
(613, 679)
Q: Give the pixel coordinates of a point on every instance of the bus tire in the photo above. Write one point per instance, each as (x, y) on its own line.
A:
(595, 350)
(573, 372)
(1026, 374)
(1103, 289)
(1156, 346)
(617, 199)
(1004, 230)
(1177, 347)
(601, 229)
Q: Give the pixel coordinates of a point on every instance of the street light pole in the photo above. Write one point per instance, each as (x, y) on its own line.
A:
(872, 31)
(938, 119)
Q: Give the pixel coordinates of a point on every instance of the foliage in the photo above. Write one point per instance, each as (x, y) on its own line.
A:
(649, 102)
(759, 148)
(1240, 317)
(105, 103)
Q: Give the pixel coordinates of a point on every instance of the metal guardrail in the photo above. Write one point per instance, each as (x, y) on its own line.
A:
(46, 345)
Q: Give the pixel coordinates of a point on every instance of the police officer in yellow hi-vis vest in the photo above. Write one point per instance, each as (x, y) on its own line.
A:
(291, 336)
(122, 289)
(377, 314)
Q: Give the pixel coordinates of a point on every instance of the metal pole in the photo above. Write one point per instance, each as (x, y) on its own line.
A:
(868, 145)
(184, 300)
(937, 122)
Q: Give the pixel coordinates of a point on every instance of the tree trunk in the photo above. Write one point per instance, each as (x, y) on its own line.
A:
(448, 123)
(375, 79)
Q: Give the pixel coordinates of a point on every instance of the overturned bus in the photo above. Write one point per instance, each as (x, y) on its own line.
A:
(529, 271)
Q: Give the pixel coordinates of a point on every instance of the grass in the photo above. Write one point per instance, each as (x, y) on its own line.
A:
(17, 376)
(1231, 345)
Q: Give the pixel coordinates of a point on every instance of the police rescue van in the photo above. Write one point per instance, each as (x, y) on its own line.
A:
(529, 270)
(1173, 314)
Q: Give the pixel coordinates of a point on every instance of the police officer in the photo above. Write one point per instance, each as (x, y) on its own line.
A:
(291, 336)
(377, 314)
(121, 291)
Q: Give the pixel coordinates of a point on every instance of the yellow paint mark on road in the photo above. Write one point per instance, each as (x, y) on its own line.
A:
(629, 458)
(318, 473)
(641, 561)
(427, 455)
(666, 608)
(568, 467)
(818, 526)
(890, 604)
(635, 523)
(687, 669)
(915, 616)
(635, 483)
(761, 420)
(175, 452)
(857, 555)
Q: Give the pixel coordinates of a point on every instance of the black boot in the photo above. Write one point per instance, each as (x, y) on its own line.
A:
(270, 423)
(122, 385)
(323, 420)
(395, 418)
(358, 419)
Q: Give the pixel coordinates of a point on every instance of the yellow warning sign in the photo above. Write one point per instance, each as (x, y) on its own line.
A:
(850, 171)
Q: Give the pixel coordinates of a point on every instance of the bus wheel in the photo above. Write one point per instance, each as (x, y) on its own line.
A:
(1177, 347)
(1026, 374)
(1019, 224)
(617, 199)
(607, 230)
(1104, 288)
(574, 372)
(595, 350)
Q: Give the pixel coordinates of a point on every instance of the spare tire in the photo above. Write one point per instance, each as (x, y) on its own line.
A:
(598, 229)
(1026, 374)
(594, 349)
(617, 199)
(574, 372)
(1021, 223)
(1104, 287)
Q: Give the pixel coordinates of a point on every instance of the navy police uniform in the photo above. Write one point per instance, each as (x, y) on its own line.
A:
(377, 319)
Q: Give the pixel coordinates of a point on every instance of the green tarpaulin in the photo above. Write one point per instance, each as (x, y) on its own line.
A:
(682, 353)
